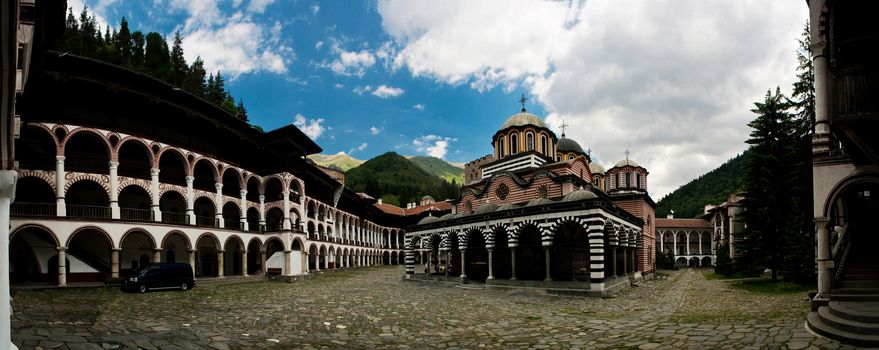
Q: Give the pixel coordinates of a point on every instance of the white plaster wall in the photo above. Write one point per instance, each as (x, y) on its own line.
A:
(824, 178)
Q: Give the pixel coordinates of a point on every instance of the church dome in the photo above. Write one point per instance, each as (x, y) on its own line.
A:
(596, 168)
(485, 208)
(523, 118)
(538, 201)
(579, 195)
(429, 219)
(626, 162)
(567, 145)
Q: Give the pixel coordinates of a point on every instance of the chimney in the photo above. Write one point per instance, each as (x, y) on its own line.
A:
(379, 201)
(671, 214)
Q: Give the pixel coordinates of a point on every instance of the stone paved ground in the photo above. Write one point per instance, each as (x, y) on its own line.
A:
(374, 308)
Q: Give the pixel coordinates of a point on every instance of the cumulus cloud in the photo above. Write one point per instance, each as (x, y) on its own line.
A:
(314, 128)
(234, 44)
(383, 91)
(419, 107)
(360, 90)
(319, 44)
(315, 9)
(433, 145)
(375, 131)
(671, 81)
(339, 85)
(350, 63)
(358, 148)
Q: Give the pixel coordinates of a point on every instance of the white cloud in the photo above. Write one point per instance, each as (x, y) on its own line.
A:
(360, 90)
(419, 107)
(672, 81)
(311, 127)
(358, 148)
(315, 9)
(318, 45)
(350, 62)
(97, 11)
(339, 85)
(234, 44)
(375, 131)
(383, 91)
(433, 145)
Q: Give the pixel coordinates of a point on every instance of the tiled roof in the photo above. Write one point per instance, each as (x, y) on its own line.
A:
(682, 223)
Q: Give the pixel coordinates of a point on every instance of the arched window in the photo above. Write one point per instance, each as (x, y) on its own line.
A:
(514, 143)
(544, 145)
(628, 179)
(500, 147)
(616, 180)
(638, 180)
(529, 141)
(558, 158)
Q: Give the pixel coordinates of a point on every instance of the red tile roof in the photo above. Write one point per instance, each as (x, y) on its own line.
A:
(682, 223)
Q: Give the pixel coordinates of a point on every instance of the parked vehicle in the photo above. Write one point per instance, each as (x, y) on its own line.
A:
(159, 276)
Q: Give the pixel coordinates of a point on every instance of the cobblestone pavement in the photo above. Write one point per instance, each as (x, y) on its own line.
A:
(374, 308)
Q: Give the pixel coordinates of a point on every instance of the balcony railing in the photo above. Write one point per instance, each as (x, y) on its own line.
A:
(87, 165)
(232, 224)
(205, 221)
(170, 217)
(131, 214)
(33, 209)
(87, 211)
(855, 93)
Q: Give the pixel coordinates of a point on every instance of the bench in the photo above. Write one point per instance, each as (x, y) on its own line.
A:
(273, 271)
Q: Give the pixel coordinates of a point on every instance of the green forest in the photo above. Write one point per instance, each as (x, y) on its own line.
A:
(689, 200)
(398, 181)
(148, 54)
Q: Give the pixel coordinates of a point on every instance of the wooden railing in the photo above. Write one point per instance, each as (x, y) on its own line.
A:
(131, 214)
(87, 211)
(855, 92)
(170, 217)
(33, 209)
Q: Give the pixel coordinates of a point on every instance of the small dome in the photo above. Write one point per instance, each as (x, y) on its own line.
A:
(538, 201)
(579, 195)
(596, 168)
(427, 197)
(625, 162)
(429, 219)
(506, 207)
(521, 119)
(485, 208)
(447, 216)
(567, 145)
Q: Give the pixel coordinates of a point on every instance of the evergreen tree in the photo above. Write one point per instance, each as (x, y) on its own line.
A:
(195, 78)
(137, 43)
(179, 69)
(767, 186)
(724, 265)
(70, 41)
(124, 47)
(242, 112)
(156, 59)
(88, 34)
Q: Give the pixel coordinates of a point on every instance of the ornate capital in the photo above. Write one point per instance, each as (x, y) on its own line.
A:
(190, 180)
(59, 160)
(243, 193)
(218, 186)
(262, 198)
(113, 165)
(154, 171)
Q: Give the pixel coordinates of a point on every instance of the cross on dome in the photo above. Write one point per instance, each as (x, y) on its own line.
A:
(522, 101)
(564, 125)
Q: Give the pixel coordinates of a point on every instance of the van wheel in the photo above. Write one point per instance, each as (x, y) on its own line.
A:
(142, 289)
(184, 286)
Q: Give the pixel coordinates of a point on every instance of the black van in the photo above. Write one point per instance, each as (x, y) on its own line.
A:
(159, 276)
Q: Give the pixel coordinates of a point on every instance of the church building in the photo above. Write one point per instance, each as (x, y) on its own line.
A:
(538, 212)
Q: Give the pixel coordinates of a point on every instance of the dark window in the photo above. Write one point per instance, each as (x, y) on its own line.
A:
(27, 14)
(638, 180)
(19, 61)
(628, 180)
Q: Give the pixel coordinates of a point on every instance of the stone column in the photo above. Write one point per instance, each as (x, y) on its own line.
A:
(822, 98)
(625, 261)
(490, 264)
(327, 261)
(114, 263)
(512, 263)
(190, 201)
(547, 250)
(218, 216)
(191, 257)
(825, 260)
(661, 242)
(154, 188)
(463, 264)
(287, 262)
(60, 206)
(262, 211)
(157, 255)
(286, 223)
(114, 190)
(304, 262)
(221, 263)
(613, 261)
(244, 263)
(675, 248)
(62, 266)
(243, 207)
(8, 180)
(317, 261)
(262, 259)
(688, 243)
(700, 244)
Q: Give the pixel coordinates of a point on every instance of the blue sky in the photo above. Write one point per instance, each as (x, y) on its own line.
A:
(671, 81)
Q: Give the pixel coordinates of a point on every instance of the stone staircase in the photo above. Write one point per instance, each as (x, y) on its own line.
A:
(851, 322)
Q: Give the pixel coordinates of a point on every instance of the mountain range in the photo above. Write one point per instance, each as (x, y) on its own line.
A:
(433, 165)
(689, 200)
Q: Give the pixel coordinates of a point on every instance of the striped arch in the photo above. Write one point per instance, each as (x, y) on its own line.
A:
(80, 129)
(183, 159)
(50, 131)
(115, 156)
(211, 162)
(513, 235)
(73, 178)
(143, 184)
(211, 198)
(234, 200)
(163, 187)
(224, 167)
(265, 180)
(39, 174)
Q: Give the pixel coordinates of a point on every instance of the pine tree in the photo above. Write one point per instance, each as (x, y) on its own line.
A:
(137, 43)
(124, 45)
(179, 69)
(88, 33)
(156, 60)
(70, 40)
(242, 112)
(767, 186)
(195, 78)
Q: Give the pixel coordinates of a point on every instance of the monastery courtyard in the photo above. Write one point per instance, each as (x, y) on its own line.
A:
(374, 308)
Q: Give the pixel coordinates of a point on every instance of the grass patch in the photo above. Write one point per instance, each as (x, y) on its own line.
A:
(769, 287)
(717, 276)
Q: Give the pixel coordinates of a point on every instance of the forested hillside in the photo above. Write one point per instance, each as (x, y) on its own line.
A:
(340, 161)
(149, 54)
(397, 181)
(689, 200)
(439, 168)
